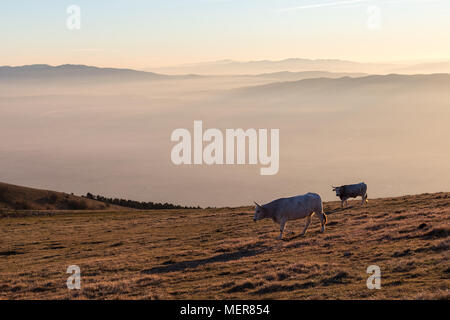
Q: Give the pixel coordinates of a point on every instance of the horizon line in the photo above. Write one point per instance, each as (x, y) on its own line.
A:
(187, 64)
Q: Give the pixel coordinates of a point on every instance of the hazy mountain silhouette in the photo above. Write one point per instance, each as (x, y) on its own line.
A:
(230, 67)
(44, 72)
(371, 82)
(430, 67)
(292, 76)
(66, 72)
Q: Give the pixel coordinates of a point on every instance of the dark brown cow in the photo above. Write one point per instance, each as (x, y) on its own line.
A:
(352, 191)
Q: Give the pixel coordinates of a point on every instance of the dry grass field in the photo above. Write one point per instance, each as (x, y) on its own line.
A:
(223, 254)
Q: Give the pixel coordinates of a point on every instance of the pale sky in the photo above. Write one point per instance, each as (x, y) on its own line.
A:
(155, 33)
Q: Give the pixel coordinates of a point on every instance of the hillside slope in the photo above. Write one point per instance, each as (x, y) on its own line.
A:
(14, 197)
(370, 83)
(223, 254)
(70, 72)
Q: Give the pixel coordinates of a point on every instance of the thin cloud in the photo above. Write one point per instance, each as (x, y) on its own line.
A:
(88, 50)
(325, 4)
(353, 3)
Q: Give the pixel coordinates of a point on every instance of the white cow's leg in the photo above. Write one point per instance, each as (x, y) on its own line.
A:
(342, 203)
(323, 220)
(282, 224)
(308, 221)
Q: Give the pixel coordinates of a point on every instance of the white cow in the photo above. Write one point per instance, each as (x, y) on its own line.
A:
(298, 207)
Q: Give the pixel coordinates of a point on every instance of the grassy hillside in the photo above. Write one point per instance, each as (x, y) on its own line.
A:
(223, 254)
(14, 197)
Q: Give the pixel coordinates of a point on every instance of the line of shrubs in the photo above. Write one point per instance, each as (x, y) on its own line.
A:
(136, 204)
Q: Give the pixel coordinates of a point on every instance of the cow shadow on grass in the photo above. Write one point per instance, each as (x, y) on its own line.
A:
(339, 209)
(182, 265)
(295, 236)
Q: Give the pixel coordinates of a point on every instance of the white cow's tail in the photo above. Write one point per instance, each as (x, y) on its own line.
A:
(324, 216)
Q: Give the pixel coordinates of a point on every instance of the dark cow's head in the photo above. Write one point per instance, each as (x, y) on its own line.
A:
(338, 191)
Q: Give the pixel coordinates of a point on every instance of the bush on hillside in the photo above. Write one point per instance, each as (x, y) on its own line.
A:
(74, 204)
(3, 193)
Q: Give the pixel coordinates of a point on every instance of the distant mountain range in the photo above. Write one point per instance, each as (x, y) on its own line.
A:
(424, 80)
(284, 70)
(230, 67)
(345, 91)
(82, 73)
(293, 76)
(73, 72)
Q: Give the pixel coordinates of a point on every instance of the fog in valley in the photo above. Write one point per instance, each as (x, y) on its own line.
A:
(112, 136)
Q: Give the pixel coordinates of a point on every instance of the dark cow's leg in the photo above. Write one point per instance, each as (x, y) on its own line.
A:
(287, 231)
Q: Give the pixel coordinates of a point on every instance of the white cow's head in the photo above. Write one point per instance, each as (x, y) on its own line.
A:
(259, 212)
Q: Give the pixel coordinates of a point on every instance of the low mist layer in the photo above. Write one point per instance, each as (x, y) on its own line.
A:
(114, 138)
